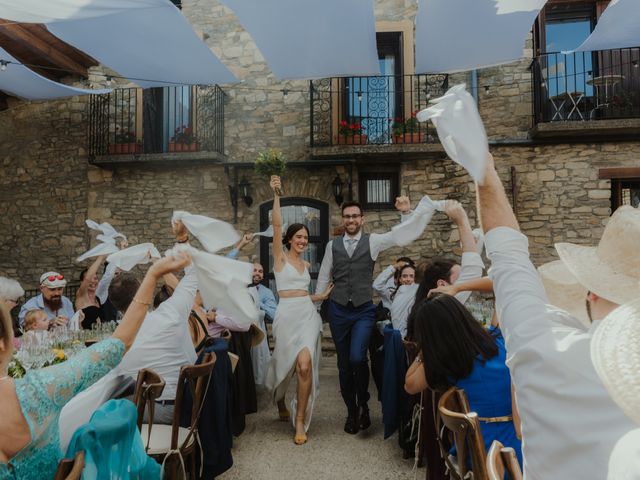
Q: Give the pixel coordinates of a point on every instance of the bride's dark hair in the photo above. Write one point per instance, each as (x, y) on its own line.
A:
(291, 231)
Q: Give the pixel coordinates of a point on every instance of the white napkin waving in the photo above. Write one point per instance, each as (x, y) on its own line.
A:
(128, 258)
(107, 240)
(460, 130)
(223, 284)
(269, 231)
(213, 234)
(410, 229)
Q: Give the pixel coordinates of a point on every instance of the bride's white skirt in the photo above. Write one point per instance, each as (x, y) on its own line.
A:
(297, 326)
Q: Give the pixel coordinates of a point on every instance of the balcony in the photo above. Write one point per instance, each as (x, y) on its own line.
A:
(587, 93)
(372, 114)
(182, 123)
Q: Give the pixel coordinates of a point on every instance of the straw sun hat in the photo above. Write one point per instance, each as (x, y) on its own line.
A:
(612, 269)
(615, 353)
(564, 291)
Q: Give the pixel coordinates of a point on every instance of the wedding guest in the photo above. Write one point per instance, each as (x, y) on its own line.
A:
(569, 423)
(58, 308)
(29, 444)
(10, 293)
(36, 319)
(87, 298)
(401, 298)
(392, 275)
(455, 350)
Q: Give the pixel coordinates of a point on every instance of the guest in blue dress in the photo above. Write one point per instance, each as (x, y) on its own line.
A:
(456, 351)
(30, 406)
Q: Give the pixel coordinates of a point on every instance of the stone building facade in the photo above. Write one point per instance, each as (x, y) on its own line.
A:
(50, 185)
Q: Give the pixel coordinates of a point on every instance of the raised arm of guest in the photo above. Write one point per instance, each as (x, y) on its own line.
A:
(276, 221)
(89, 275)
(245, 240)
(380, 282)
(483, 284)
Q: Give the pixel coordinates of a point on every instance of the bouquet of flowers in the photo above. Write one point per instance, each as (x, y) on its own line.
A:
(271, 162)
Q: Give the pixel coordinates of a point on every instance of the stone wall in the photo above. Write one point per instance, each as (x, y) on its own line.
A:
(48, 187)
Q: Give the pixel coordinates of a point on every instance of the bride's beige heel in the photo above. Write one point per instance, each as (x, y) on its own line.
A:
(300, 438)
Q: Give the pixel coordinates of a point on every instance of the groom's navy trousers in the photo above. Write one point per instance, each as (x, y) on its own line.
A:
(351, 330)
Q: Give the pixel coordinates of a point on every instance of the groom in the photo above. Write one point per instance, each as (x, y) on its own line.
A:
(348, 262)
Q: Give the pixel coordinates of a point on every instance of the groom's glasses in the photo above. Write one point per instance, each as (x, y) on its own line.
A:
(352, 217)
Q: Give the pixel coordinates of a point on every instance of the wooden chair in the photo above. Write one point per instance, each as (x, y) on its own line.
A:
(460, 426)
(166, 442)
(149, 387)
(70, 469)
(501, 459)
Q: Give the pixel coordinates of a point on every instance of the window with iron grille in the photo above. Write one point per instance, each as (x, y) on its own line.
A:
(378, 190)
(625, 192)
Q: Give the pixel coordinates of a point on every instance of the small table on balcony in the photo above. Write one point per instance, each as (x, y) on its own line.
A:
(604, 84)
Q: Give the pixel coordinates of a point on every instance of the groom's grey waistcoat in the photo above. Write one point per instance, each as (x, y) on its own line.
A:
(352, 276)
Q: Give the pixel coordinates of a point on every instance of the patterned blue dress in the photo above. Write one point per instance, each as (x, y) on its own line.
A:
(42, 394)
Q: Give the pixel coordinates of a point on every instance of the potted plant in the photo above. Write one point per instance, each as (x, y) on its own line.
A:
(124, 142)
(270, 162)
(183, 140)
(407, 131)
(350, 133)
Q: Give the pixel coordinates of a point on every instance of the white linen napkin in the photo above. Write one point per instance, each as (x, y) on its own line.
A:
(128, 258)
(460, 129)
(415, 223)
(213, 234)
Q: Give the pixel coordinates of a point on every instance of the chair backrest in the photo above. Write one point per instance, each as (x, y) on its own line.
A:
(149, 387)
(70, 469)
(457, 417)
(501, 459)
(196, 378)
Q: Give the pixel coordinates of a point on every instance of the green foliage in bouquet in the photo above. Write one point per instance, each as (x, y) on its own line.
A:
(16, 370)
(270, 162)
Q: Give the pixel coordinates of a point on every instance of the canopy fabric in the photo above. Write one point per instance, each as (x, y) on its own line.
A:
(616, 28)
(459, 35)
(46, 11)
(23, 82)
(304, 39)
(151, 47)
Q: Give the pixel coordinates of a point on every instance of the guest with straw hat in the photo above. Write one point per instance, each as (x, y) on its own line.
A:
(570, 424)
(615, 353)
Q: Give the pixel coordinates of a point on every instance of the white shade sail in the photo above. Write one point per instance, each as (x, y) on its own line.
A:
(23, 82)
(147, 41)
(617, 27)
(458, 35)
(46, 11)
(152, 47)
(305, 39)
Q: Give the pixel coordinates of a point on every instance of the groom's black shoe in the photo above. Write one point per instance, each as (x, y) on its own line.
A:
(351, 425)
(364, 421)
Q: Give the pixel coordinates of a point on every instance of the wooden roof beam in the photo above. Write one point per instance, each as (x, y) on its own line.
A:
(37, 46)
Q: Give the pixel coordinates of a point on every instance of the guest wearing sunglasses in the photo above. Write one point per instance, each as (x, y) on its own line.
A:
(58, 308)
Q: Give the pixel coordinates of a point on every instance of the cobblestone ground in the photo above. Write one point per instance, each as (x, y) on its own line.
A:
(265, 451)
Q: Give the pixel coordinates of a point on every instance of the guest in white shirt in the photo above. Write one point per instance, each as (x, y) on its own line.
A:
(441, 272)
(392, 280)
(402, 296)
(569, 423)
(164, 341)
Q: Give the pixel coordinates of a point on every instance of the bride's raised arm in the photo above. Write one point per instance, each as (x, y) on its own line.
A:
(276, 221)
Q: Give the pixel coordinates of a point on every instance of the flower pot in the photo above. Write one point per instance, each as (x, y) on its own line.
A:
(125, 148)
(352, 139)
(183, 147)
(416, 137)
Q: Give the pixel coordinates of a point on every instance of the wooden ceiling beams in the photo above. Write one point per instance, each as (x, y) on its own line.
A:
(44, 53)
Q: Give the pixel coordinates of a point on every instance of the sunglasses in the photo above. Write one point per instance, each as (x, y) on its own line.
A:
(53, 278)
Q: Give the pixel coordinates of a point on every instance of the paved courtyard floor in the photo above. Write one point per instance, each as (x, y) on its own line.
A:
(265, 451)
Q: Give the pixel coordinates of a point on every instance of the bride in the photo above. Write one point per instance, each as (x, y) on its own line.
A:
(297, 327)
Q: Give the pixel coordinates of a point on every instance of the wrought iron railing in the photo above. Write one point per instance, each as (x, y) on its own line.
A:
(583, 86)
(157, 120)
(372, 110)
